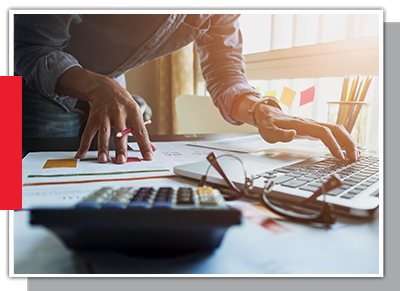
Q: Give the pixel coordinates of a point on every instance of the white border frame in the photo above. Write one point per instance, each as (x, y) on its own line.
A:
(170, 11)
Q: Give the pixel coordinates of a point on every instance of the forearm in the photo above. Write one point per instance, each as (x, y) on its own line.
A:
(79, 83)
(223, 66)
(38, 52)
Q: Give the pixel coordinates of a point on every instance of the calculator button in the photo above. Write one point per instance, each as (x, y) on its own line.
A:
(137, 204)
(120, 199)
(103, 192)
(208, 200)
(164, 194)
(112, 204)
(87, 204)
(185, 200)
(162, 204)
(185, 196)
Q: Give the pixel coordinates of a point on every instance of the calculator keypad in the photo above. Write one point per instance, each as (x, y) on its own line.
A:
(148, 197)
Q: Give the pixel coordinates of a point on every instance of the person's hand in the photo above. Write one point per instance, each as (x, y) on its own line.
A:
(112, 107)
(274, 126)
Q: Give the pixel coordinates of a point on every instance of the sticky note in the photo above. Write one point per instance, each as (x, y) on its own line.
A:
(307, 96)
(258, 89)
(287, 97)
(270, 94)
(60, 163)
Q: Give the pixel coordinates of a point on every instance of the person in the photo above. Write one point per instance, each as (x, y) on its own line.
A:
(73, 69)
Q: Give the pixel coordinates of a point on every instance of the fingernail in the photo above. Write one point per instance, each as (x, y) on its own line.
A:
(78, 154)
(340, 154)
(148, 156)
(356, 155)
(102, 158)
(121, 159)
(287, 133)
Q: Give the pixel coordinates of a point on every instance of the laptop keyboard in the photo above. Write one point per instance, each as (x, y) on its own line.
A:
(355, 176)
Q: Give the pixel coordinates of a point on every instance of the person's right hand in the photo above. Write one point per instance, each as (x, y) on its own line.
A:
(276, 126)
(112, 107)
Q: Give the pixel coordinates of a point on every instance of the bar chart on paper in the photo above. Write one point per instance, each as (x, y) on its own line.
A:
(57, 179)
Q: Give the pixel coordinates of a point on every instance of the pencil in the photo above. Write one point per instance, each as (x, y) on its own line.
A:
(128, 130)
(344, 115)
(353, 97)
(361, 99)
(342, 98)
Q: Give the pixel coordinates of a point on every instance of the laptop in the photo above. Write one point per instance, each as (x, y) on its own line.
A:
(297, 175)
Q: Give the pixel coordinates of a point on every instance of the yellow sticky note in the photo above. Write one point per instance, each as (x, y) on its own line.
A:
(287, 97)
(60, 163)
(270, 94)
(258, 89)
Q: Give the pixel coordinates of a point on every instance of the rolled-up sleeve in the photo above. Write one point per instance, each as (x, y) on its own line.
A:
(38, 52)
(222, 63)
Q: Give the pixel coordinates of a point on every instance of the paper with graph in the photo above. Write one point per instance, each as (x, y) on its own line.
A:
(61, 168)
(57, 179)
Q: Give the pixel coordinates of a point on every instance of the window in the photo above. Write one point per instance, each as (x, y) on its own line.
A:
(293, 30)
(299, 51)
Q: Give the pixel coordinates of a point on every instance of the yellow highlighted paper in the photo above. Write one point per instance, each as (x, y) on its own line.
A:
(287, 97)
(63, 163)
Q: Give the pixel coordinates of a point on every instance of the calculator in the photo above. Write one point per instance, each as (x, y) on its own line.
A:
(147, 218)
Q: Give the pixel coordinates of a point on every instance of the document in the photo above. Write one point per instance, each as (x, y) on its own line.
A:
(57, 179)
(57, 168)
(178, 153)
(255, 143)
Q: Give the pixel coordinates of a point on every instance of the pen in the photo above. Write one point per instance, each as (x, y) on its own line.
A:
(128, 130)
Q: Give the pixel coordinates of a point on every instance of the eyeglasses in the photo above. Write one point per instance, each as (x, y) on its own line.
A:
(318, 213)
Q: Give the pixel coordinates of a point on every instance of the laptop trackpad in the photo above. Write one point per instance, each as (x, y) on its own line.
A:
(269, 160)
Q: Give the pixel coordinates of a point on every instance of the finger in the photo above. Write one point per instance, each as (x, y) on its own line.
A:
(121, 143)
(326, 136)
(142, 139)
(345, 139)
(103, 140)
(153, 147)
(308, 127)
(272, 133)
(87, 137)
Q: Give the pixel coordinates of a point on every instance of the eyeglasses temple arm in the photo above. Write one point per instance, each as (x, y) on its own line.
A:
(214, 163)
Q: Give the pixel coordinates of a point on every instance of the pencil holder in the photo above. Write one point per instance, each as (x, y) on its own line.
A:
(353, 115)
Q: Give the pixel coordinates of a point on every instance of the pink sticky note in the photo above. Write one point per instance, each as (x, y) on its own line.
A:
(307, 96)
(287, 97)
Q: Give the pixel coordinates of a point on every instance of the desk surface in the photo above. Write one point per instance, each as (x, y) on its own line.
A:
(351, 246)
